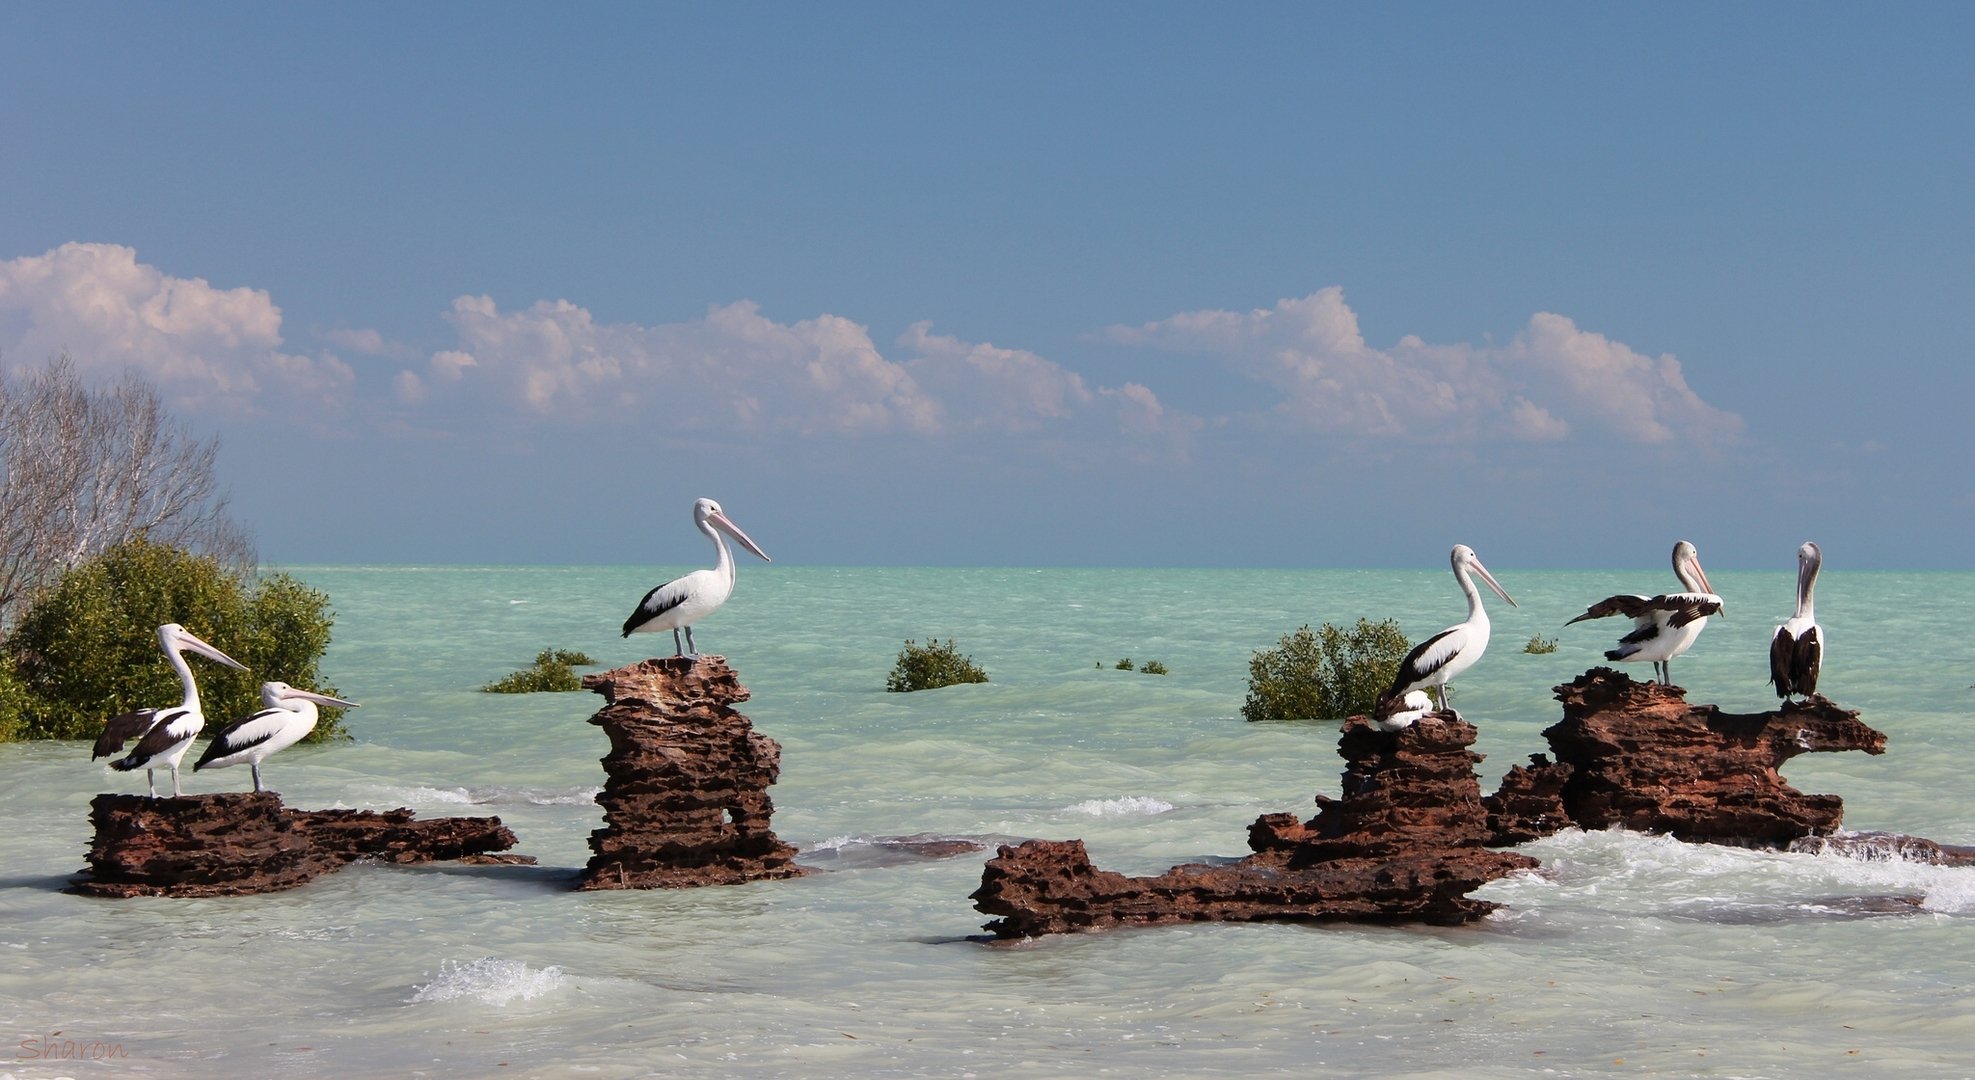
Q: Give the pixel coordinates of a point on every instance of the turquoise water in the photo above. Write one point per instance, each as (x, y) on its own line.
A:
(1625, 955)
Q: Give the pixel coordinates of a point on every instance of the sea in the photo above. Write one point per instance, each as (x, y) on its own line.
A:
(1624, 955)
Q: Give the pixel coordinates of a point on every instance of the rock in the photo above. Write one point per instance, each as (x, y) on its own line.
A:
(237, 843)
(1404, 844)
(1637, 755)
(686, 798)
(1886, 847)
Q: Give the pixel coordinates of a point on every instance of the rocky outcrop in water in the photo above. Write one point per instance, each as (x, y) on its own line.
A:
(1404, 844)
(686, 799)
(1637, 755)
(237, 843)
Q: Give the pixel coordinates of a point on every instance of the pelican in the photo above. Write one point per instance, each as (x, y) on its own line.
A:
(1666, 625)
(166, 733)
(1435, 661)
(1416, 705)
(1797, 651)
(290, 715)
(681, 602)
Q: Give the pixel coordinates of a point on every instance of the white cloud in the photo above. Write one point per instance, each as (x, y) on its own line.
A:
(737, 367)
(1554, 381)
(200, 344)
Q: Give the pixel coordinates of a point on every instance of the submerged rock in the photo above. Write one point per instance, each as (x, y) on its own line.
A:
(1404, 844)
(686, 799)
(237, 843)
(1638, 756)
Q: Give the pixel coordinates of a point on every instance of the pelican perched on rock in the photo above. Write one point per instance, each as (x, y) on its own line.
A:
(1666, 625)
(681, 602)
(1797, 650)
(290, 715)
(165, 733)
(1435, 661)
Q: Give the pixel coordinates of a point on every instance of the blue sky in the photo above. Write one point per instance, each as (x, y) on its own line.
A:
(1245, 285)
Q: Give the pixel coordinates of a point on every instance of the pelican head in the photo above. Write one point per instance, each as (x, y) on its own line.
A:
(1465, 559)
(707, 512)
(1809, 558)
(279, 695)
(1687, 567)
(175, 638)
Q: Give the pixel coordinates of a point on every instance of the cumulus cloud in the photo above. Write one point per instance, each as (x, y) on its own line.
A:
(1554, 381)
(201, 345)
(737, 367)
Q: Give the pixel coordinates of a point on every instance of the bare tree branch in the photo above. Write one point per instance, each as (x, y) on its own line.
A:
(85, 469)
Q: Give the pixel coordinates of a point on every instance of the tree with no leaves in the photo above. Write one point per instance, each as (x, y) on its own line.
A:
(86, 468)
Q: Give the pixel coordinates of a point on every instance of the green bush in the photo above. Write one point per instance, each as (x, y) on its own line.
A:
(1325, 674)
(1124, 665)
(87, 648)
(1153, 667)
(931, 666)
(552, 673)
(13, 701)
(1539, 645)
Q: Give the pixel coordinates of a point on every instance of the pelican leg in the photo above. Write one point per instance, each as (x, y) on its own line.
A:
(692, 650)
(151, 781)
(677, 649)
(256, 766)
(174, 783)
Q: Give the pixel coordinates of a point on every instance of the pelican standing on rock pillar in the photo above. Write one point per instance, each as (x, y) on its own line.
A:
(289, 717)
(1797, 651)
(681, 602)
(166, 733)
(1666, 625)
(1435, 661)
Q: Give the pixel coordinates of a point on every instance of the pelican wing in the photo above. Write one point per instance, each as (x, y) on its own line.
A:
(1427, 657)
(244, 734)
(121, 729)
(1632, 607)
(657, 602)
(1794, 660)
(165, 734)
(1688, 607)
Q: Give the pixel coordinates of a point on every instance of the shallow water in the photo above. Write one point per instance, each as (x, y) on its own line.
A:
(1625, 955)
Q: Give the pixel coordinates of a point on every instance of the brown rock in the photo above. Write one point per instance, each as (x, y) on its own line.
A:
(1404, 844)
(1637, 755)
(686, 799)
(238, 843)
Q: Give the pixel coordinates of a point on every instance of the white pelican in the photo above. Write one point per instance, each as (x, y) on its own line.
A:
(290, 715)
(1412, 708)
(166, 733)
(1438, 659)
(681, 602)
(1663, 626)
(1797, 651)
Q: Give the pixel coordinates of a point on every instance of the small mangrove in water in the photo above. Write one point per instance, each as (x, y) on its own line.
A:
(1325, 674)
(931, 666)
(554, 672)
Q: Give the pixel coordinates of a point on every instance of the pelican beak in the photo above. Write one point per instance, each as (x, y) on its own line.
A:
(323, 699)
(1493, 584)
(1701, 576)
(192, 641)
(727, 526)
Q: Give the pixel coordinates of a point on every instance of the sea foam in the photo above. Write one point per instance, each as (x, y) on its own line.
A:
(1120, 807)
(491, 979)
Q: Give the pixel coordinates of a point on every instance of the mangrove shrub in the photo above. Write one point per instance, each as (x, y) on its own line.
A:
(554, 672)
(930, 666)
(1324, 674)
(86, 648)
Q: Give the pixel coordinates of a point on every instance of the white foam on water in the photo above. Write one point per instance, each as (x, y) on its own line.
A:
(1120, 807)
(490, 979)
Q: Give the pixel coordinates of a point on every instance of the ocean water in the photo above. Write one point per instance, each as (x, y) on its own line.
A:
(1625, 955)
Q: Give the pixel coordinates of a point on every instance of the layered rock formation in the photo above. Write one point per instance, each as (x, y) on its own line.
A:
(1404, 844)
(686, 798)
(1637, 755)
(233, 844)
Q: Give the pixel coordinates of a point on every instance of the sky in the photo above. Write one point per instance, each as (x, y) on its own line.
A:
(1140, 284)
